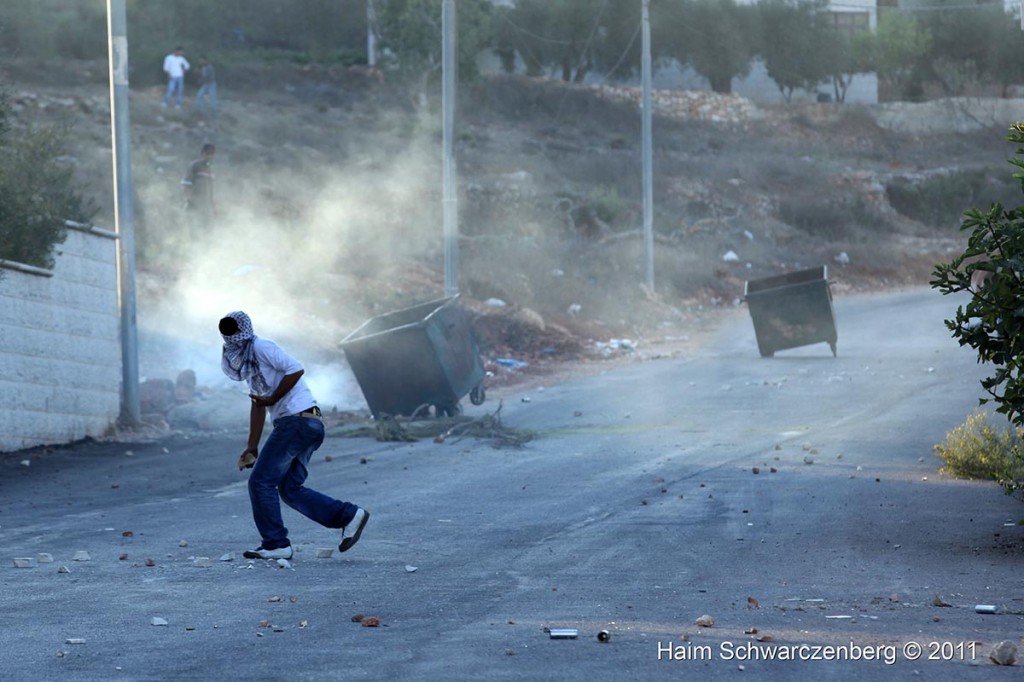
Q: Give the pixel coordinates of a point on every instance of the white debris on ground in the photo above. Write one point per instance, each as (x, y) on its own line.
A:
(613, 345)
(688, 105)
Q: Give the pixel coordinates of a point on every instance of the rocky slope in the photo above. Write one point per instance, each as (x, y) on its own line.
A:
(329, 211)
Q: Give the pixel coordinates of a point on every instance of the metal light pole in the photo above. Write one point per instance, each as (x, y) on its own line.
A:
(450, 201)
(371, 34)
(121, 134)
(648, 152)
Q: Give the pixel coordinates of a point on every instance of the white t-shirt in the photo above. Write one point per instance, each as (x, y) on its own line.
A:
(175, 66)
(275, 364)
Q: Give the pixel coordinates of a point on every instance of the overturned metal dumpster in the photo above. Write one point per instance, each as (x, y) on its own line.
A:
(791, 310)
(417, 358)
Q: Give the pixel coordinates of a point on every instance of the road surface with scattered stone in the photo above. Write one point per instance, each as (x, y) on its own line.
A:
(792, 505)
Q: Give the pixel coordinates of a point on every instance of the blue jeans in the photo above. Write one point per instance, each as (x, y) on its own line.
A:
(208, 90)
(174, 84)
(279, 473)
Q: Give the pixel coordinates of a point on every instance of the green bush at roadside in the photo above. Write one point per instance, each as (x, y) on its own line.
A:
(978, 450)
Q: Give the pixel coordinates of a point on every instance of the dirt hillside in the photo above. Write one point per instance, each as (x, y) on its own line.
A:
(329, 195)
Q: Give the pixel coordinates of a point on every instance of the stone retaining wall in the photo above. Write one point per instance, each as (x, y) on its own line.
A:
(60, 352)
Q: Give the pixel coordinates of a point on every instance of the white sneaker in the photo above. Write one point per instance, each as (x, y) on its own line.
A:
(262, 553)
(357, 523)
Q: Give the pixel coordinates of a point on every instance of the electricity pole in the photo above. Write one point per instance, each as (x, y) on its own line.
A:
(123, 224)
(371, 34)
(450, 201)
(648, 152)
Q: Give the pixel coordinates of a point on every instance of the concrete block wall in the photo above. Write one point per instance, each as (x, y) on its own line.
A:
(60, 352)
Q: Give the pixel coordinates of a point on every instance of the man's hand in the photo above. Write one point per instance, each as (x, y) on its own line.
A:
(247, 459)
(262, 401)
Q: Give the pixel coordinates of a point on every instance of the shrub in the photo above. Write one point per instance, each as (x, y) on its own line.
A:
(992, 321)
(978, 450)
(607, 203)
(829, 218)
(36, 193)
(940, 199)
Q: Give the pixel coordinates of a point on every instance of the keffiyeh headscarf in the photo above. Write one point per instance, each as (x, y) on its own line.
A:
(238, 358)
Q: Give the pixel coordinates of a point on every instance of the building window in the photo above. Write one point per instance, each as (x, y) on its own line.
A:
(850, 23)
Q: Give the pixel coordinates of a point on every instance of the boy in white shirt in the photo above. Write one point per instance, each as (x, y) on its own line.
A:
(175, 66)
(279, 470)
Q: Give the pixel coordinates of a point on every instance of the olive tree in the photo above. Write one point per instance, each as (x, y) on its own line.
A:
(717, 38)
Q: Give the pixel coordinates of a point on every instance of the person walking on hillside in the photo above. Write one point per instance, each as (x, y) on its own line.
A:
(276, 385)
(175, 66)
(197, 184)
(207, 86)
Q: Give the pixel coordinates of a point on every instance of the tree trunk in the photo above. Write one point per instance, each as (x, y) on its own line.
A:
(722, 84)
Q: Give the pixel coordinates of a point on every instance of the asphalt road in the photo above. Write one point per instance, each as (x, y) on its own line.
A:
(636, 510)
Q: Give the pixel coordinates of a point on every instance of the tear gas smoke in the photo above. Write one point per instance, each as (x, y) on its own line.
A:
(292, 250)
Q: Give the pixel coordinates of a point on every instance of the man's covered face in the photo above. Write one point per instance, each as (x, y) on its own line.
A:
(236, 327)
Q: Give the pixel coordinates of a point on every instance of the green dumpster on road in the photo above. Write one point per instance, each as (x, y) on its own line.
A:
(792, 310)
(415, 358)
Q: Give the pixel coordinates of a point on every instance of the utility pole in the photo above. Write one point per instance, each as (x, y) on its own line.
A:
(648, 152)
(371, 34)
(450, 202)
(121, 137)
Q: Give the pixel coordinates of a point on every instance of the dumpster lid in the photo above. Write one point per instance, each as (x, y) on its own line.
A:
(363, 331)
(786, 279)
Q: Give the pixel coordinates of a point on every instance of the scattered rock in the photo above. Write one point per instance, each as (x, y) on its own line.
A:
(937, 600)
(808, 460)
(705, 621)
(753, 603)
(358, 618)
(157, 621)
(183, 543)
(202, 562)
(370, 622)
(81, 555)
(44, 558)
(25, 463)
(24, 562)
(227, 557)
(1004, 653)
(150, 563)
(283, 563)
(324, 552)
(756, 470)
(185, 386)
(75, 640)
(410, 569)
(63, 569)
